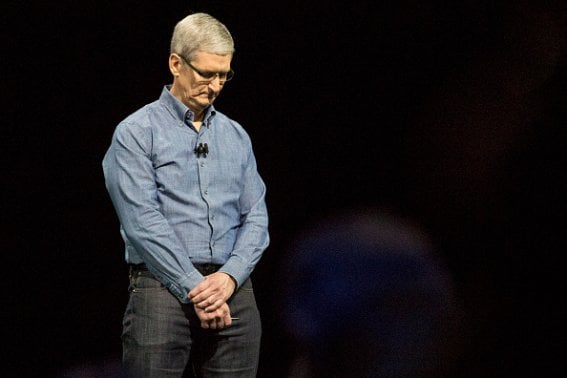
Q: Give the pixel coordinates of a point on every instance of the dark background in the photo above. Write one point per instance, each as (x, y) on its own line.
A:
(450, 113)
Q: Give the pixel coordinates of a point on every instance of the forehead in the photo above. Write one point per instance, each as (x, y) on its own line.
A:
(212, 60)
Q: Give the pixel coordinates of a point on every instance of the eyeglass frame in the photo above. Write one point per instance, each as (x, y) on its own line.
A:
(228, 75)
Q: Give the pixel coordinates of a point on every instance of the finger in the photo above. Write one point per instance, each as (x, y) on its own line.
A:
(201, 301)
(227, 321)
(222, 322)
(211, 304)
(201, 286)
(205, 298)
(216, 324)
(198, 294)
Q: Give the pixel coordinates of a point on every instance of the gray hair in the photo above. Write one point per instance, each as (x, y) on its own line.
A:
(201, 32)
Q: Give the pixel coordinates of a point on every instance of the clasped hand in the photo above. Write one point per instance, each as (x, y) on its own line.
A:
(209, 300)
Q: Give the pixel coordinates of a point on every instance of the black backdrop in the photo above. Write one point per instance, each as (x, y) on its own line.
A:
(450, 114)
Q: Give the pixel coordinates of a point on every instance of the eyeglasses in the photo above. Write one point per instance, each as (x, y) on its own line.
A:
(210, 76)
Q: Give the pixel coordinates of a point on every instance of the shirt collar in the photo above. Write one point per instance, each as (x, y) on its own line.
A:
(179, 109)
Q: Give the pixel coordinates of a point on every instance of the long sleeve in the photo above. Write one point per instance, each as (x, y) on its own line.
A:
(252, 238)
(179, 209)
(130, 180)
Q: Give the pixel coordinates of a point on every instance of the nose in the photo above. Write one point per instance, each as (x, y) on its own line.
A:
(216, 83)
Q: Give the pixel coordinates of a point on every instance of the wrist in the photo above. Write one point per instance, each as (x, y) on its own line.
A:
(233, 280)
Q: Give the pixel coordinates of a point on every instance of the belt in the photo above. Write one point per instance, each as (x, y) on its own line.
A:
(141, 270)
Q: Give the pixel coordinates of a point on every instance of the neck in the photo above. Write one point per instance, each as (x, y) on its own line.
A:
(197, 125)
(199, 115)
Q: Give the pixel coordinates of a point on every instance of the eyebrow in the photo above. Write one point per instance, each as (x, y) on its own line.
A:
(201, 72)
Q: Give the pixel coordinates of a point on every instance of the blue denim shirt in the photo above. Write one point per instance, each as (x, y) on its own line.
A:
(177, 208)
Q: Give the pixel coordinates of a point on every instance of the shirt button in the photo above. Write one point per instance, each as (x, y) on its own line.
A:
(202, 164)
(206, 192)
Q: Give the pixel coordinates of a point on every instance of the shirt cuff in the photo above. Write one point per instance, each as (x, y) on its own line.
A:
(184, 285)
(237, 270)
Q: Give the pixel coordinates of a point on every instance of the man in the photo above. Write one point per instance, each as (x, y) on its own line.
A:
(184, 182)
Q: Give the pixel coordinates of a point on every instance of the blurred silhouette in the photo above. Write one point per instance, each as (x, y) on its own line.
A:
(364, 295)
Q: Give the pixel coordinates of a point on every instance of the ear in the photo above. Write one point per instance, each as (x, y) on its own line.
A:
(175, 64)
